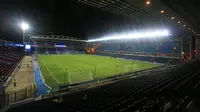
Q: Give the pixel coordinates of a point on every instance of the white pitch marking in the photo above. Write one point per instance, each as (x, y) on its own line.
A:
(50, 71)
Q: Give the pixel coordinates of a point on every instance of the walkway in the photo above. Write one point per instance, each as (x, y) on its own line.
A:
(23, 76)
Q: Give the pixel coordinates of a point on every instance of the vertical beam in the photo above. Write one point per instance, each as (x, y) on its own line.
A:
(185, 48)
(192, 47)
(198, 47)
(182, 48)
(23, 36)
(181, 45)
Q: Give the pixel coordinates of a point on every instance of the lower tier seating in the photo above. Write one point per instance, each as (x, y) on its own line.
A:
(145, 58)
(9, 59)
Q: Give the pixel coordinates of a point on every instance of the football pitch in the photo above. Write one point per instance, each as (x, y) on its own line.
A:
(74, 68)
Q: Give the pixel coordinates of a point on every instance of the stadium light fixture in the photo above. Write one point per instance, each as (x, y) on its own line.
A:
(183, 25)
(172, 17)
(148, 2)
(179, 22)
(24, 27)
(133, 35)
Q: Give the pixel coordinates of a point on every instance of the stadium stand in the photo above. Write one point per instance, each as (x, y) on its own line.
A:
(65, 47)
(142, 47)
(9, 59)
(169, 90)
(160, 52)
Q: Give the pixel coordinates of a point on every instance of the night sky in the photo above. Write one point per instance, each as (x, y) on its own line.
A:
(60, 18)
(65, 17)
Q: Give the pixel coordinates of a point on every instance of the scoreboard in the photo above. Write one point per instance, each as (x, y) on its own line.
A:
(27, 47)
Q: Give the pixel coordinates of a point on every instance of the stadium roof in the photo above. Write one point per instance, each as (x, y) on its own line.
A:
(148, 9)
(56, 37)
(188, 9)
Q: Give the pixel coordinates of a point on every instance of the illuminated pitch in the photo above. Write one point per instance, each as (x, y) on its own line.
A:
(56, 68)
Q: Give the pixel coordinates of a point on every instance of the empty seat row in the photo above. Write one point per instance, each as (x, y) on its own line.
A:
(9, 59)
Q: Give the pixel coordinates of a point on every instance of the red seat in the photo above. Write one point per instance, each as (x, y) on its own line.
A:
(9, 59)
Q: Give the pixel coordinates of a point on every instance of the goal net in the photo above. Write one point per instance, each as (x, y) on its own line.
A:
(125, 68)
(80, 76)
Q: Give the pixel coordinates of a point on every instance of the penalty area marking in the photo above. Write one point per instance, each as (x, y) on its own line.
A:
(50, 71)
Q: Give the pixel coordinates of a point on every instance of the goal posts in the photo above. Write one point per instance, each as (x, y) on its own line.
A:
(120, 69)
(80, 76)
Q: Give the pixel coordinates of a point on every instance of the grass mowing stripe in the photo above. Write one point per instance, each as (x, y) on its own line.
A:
(50, 71)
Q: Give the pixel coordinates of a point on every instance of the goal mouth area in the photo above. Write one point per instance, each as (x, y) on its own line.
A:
(80, 76)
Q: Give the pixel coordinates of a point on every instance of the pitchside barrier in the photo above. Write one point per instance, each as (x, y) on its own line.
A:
(22, 94)
(4, 101)
(1, 88)
(10, 98)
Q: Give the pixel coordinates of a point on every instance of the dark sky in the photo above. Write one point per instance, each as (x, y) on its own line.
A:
(64, 17)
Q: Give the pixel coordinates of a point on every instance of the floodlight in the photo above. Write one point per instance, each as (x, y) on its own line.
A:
(148, 2)
(24, 26)
(133, 35)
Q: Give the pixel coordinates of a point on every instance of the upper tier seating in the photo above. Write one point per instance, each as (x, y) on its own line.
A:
(164, 91)
(9, 59)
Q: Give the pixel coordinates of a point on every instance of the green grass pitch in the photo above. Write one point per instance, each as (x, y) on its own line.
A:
(56, 68)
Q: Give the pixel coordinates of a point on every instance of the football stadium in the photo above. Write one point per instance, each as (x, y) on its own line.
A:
(64, 69)
(106, 56)
(67, 63)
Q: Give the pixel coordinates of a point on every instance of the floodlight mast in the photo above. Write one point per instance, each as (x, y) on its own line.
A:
(24, 27)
